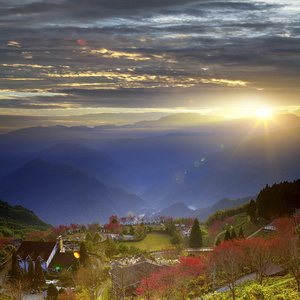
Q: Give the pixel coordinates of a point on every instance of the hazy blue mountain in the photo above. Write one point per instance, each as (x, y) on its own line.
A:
(177, 210)
(97, 163)
(58, 193)
(241, 170)
(179, 158)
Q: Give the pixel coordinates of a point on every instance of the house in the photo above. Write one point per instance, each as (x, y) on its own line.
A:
(43, 251)
(50, 254)
(61, 260)
(125, 279)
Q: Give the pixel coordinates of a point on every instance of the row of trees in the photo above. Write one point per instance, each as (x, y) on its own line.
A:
(278, 200)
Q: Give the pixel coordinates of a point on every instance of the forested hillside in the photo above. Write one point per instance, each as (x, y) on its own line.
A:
(18, 219)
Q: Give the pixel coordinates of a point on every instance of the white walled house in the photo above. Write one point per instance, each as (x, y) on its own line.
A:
(43, 251)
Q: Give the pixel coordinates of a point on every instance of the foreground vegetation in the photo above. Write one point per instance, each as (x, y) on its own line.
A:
(277, 287)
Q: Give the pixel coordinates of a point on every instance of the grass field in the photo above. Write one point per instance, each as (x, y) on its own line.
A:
(152, 242)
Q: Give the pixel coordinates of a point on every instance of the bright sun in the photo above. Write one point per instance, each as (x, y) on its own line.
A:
(264, 113)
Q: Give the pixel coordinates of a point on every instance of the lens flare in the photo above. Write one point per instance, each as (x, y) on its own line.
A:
(76, 255)
(81, 42)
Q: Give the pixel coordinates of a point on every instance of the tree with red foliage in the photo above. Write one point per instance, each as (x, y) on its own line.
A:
(36, 236)
(59, 230)
(228, 259)
(74, 226)
(162, 219)
(123, 220)
(113, 226)
(288, 246)
(172, 282)
(257, 254)
(285, 227)
(215, 229)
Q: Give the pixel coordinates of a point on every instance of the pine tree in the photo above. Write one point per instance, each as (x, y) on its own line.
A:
(195, 240)
(233, 235)
(15, 272)
(227, 235)
(88, 237)
(241, 233)
(252, 210)
(30, 271)
(39, 277)
(84, 257)
(75, 265)
(52, 292)
(97, 237)
(218, 241)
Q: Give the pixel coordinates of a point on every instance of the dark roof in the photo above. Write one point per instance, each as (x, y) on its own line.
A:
(133, 274)
(62, 260)
(35, 249)
(271, 269)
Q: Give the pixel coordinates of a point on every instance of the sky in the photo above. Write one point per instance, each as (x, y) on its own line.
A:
(94, 62)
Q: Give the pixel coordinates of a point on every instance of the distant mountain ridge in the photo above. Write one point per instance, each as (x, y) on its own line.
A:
(181, 210)
(59, 192)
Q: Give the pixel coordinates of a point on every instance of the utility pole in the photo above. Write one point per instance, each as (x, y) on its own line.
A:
(214, 278)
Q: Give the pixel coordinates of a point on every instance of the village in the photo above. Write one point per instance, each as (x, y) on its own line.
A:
(115, 261)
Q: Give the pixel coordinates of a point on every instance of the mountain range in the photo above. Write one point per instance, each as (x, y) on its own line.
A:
(82, 174)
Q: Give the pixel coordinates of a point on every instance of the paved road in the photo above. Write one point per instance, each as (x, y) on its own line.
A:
(225, 288)
(251, 276)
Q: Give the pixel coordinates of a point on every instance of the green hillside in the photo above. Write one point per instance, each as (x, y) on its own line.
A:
(19, 220)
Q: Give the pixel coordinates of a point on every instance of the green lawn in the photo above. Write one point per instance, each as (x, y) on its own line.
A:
(152, 242)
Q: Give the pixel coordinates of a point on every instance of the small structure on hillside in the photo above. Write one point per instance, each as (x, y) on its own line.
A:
(125, 279)
(271, 269)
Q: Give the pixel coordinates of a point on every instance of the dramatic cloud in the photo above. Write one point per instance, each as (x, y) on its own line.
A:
(59, 55)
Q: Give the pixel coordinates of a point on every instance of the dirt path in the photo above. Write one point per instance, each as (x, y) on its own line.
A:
(103, 287)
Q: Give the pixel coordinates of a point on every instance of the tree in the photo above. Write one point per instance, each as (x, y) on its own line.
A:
(233, 235)
(218, 241)
(39, 277)
(75, 265)
(227, 236)
(195, 240)
(110, 248)
(16, 289)
(97, 237)
(89, 279)
(228, 259)
(52, 292)
(88, 237)
(176, 239)
(15, 271)
(172, 228)
(30, 272)
(288, 246)
(252, 211)
(241, 233)
(84, 257)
